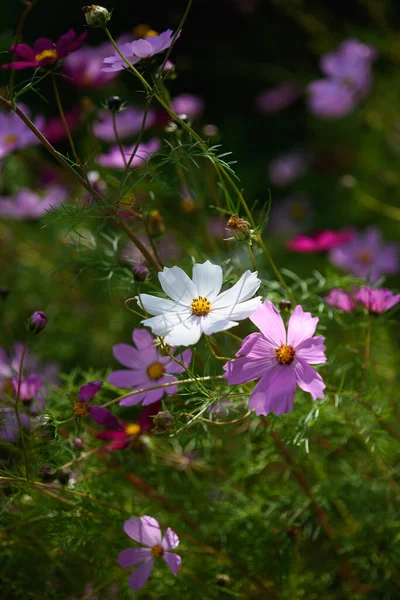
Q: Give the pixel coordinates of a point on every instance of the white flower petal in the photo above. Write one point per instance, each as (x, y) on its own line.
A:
(244, 289)
(215, 322)
(240, 311)
(185, 333)
(177, 285)
(157, 306)
(207, 279)
(162, 324)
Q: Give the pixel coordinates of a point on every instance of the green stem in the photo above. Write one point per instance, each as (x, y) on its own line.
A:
(275, 269)
(21, 430)
(117, 139)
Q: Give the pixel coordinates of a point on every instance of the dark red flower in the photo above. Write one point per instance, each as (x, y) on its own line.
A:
(122, 439)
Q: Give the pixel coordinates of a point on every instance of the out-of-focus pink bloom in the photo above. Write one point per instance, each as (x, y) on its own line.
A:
(290, 215)
(129, 432)
(10, 366)
(14, 134)
(54, 130)
(84, 68)
(167, 247)
(366, 255)
(281, 360)
(31, 391)
(146, 531)
(113, 158)
(217, 227)
(45, 52)
(188, 104)
(246, 7)
(321, 241)
(377, 300)
(348, 80)
(27, 204)
(277, 98)
(341, 299)
(285, 169)
(138, 50)
(128, 123)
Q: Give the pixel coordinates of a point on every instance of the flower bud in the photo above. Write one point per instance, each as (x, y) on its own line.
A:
(96, 16)
(223, 580)
(114, 103)
(63, 476)
(37, 322)
(163, 421)
(4, 293)
(140, 273)
(78, 443)
(285, 305)
(239, 228)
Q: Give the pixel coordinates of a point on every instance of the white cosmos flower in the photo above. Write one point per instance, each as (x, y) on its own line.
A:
(197, 306)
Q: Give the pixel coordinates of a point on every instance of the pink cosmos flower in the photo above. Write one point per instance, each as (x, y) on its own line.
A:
(101, 415)
(285, 169)
(377, 300)
(321, 241)
(84, 68)
(113, 158)
(340, 299)
(28, 204)
(54, 129)
(146, 531)
(129, 432)
(138, 50)
(147, 367)
(277, 98)
(45, 52)
(281, 360)
(128, 122)
(188, 104)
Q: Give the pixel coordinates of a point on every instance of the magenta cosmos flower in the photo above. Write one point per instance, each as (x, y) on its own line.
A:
(321, 241)
(27, 204)
(281, 360)
(128, 123)
(113, 158)
(367, 256)
(14, 134)
(188, 104)
(341, 299)
(129, 432)
(138, 50)
(146, 367)
(348, 80)
(277, 98)
(45, 52)
(377, 300)
(101, 415)
(146, 531)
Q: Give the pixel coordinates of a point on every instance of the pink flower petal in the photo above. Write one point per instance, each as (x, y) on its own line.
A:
(141, 48)
(270, 323)
(133, 400)
(142, 338)
(89, 390)
(242, 370)
(173, 367)
(145, 530)
(301, 326)
(308, 379)
(132, 358)
(312, 350)
(140, 575)
(275, 392)
(170, 540)
(133, 556)
(126, 379)
(173, 561)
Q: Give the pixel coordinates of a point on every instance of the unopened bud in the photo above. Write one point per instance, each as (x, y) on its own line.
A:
(239, 228)
(46, 473)
(78, 443)
(140, 273)
(163, 421)
(285, 305)
(37, 322)
(96, 16)
(223, 580)
(114, 103)
(63, 476)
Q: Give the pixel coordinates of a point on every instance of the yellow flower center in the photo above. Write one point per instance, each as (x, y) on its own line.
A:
(157, 551)
(155, 371)
(80, 409)
(144, 31)
(133, 429)
(365, 257)
(285, 354)
(200, 306)
(46, 54)
(11, 138)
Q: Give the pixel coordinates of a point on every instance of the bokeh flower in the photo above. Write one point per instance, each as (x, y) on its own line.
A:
(146, 367)
(280, 360)
(114, 160)
(197, 306)
(367, 256)
(377, 300)
(138, 50)
(128, 123)
(321, 241)
(285, 169)
(290, 215)
(167, 247)
(341, 299)
(84, 68)
(14, 134)
(146, 531)
(188, 104)
(277, 98)
(27, 204)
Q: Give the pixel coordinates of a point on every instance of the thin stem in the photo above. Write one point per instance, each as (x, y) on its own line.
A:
(210, 422)
(208, 342)
(275, 269)
(117, 138)
(176, 35)
(253, 261)
(149, 257)
(152, 242)
(29, 6)
(21, 430)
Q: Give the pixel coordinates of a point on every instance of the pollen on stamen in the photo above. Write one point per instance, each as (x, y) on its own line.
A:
(46, 54)
(157, 551)
(10, 139)
(80, 409)
(155, 371)
(285, 354)
(200, 306)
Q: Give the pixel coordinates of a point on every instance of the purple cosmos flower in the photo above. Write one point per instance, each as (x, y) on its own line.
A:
(377, 300)
(14, 134)
(27, 204)
(84, 68)
(366, 255)
(138, 50)
(101, 415)
(146, 531)
(147, 367)
(290, 215)
(167, 246)
(128, 123)
(281, 360)
(348, 81)
(9, 428)
(113, 158)
(188, 104)
(277, 98)
(30, 390)
(321, 241)
(340, 299)
(45, 52)
(287, 168)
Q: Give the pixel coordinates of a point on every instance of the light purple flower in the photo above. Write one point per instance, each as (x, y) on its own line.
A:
(281, 360)
(14, 134)
(113, 158)
(10, 364)
(285, 169)
(146, 367)
(147, 532)
(31, 391)
(348, 81)
(167, 246)
(188, 104)
(377, 300)
(84, 68)
(340, 299)
(128, 123)
(27, 204)
(290, 215)
(367, 256)
(277, 98)
(138, 50)
(9, 428)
